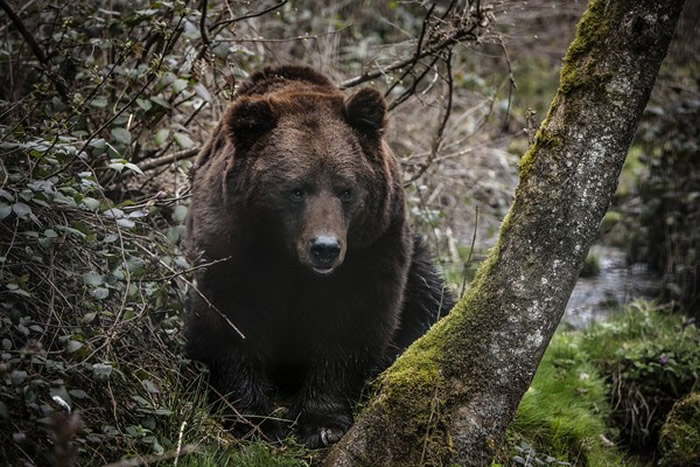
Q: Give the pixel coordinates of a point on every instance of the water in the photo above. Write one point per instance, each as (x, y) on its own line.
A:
(596, 298)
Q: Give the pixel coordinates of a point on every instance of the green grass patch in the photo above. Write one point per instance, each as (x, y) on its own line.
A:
(562, 416)
(252, 454)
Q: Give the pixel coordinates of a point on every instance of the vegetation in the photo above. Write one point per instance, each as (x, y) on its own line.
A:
(562, 416)
(97, 132)
(610, 387)
(650, 359)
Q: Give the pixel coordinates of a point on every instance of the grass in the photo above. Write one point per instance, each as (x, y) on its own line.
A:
(253, 454)
(562, 415)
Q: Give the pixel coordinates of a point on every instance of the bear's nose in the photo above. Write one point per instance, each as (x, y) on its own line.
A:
(324, 249)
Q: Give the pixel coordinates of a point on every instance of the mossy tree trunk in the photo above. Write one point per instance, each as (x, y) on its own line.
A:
(451, 396)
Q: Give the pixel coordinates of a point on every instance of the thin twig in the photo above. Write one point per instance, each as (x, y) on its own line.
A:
(187, 271)
(226, 22)
(419, 45)
(512, 86)
(455, 37)
(441, 129)
(203, 23)
(195, 288)
(169, 158)
(471, 251)
(35, 49)
(179, 443)
(287, 39)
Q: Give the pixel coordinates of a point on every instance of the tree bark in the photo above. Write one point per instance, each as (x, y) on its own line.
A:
(451, 396)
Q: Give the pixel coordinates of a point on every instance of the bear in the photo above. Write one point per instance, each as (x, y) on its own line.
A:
(312, 281)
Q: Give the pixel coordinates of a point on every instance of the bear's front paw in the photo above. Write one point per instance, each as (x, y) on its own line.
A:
(323, 437)
(317, 429)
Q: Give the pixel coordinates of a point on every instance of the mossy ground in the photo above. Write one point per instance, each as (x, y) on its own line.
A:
(680, 435)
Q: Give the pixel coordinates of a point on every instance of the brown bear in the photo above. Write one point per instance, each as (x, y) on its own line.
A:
(298, 206)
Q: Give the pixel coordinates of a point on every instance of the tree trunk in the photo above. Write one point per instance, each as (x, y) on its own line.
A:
(451, 396)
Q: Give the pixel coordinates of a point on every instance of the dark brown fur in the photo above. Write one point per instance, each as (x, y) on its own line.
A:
(293, 161)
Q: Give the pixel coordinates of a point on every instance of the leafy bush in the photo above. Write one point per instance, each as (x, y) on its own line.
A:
(90, 310)
(650, 358)
(670, 195)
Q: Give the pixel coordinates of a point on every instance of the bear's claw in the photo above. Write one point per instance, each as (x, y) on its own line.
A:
(324, 437)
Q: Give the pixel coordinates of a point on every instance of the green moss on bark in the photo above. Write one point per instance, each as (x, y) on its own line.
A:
(577, 70)
(543, 139)
(680, 435)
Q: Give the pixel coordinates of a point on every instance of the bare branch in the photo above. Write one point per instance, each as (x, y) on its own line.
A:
(467, 31)
(169, 158)
(35, 49)
(226, 22)
(203, 23)
(441, 129)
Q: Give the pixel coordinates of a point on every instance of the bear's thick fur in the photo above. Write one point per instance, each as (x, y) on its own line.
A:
(298, 204)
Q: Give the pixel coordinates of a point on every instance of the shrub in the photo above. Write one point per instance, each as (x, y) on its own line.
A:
(650, 358)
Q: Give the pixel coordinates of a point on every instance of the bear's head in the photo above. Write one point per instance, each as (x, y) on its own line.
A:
(311, 168)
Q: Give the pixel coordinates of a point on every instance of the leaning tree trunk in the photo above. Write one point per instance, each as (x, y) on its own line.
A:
(451, 396)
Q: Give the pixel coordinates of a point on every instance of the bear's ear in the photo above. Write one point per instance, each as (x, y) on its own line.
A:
(249, 118)
(366, 110)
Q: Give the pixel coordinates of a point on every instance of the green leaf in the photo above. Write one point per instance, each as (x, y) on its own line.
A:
(133, 167)
(202, 92)
(73, 346)
(126, 223)
(22, 210)
(183, 140)
(121, 135)
(89, 317)
(98, 144)
(161, 136)
(118, 166)
(179, 85)
(90, 204)
(145, 104)
(100, 293)
(101, 371)
(160, 101)
(78, 393)
(99, 102)
(179, 213)
(7, 195)
(5, 210)
(113, 213)
(149, 386)
(93, 279)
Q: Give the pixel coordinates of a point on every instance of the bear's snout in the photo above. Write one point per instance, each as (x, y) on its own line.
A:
(325, 250)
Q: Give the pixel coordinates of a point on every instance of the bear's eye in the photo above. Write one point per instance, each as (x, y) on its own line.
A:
(346, 195)
(297, 194)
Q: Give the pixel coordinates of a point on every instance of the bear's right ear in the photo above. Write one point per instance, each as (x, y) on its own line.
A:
(249, 118)
(366, 110)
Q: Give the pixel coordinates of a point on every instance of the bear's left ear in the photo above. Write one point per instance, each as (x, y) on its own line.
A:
(366, 110)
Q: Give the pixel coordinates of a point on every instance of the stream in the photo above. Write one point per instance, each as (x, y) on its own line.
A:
(596, 298)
